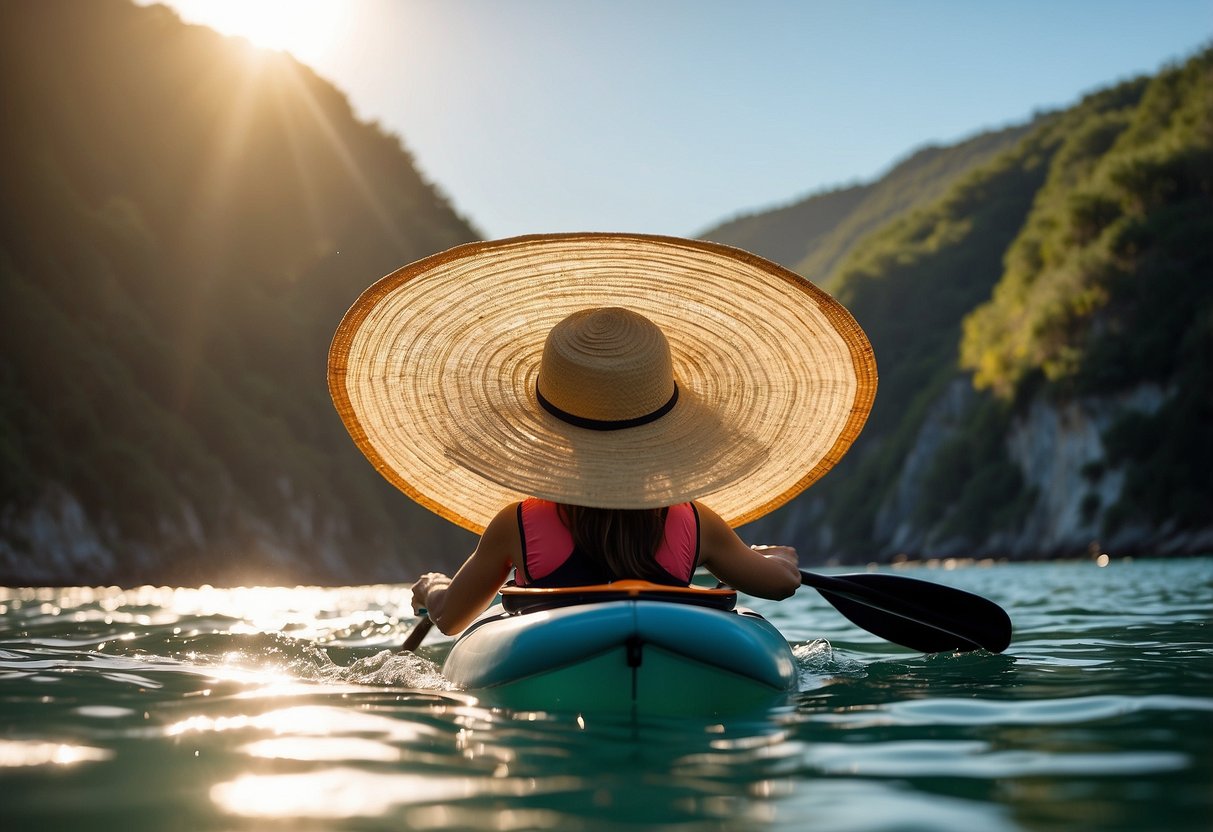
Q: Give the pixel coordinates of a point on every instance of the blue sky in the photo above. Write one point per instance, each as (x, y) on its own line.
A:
(668, 116)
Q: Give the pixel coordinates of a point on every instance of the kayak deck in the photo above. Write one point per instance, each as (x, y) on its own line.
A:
(632, 655)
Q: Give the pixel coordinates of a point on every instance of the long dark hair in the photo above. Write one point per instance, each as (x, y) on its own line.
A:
(624, 540)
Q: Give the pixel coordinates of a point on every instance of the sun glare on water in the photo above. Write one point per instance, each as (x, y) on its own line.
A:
(308, 29)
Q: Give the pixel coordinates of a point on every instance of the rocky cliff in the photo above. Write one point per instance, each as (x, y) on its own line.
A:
(1044, 333)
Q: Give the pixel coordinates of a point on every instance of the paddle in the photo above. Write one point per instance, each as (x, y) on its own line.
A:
(923, 616)
(917, 614)
(420, 630)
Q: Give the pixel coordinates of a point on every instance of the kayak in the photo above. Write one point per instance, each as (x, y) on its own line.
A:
(630, 647)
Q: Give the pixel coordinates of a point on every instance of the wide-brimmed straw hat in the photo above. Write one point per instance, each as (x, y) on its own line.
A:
(604, 370)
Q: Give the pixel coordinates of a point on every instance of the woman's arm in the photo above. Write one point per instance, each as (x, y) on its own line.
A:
(762, 571)
(453, 603)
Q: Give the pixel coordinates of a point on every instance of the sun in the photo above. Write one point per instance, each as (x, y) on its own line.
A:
(308, 29)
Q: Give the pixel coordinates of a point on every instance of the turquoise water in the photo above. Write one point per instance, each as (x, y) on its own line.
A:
(200, 709)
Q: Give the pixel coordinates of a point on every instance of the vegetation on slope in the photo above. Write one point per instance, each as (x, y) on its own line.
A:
(186, 221)
(1109, 286)
(909, 286)
(1075, 265)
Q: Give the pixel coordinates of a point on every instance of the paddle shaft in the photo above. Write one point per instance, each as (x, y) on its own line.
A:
(418, 634)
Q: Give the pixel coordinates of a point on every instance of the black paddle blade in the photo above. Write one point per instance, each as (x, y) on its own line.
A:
(917, 614)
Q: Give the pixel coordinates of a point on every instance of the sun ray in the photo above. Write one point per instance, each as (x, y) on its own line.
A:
(373, 202)
(305, 173)
(204, 232)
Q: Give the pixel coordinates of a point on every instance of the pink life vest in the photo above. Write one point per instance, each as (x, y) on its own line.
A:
(550, 558)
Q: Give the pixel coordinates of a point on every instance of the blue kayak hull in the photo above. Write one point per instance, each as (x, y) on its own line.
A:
(635, 657)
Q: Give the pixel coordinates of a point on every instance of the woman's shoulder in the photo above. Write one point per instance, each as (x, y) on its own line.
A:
(506, 518)
(705, 513)
(713, 530)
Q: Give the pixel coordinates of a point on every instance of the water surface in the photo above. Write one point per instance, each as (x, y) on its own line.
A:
(238, 709)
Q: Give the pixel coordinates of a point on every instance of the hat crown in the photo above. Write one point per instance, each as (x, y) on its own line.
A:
(608, 365)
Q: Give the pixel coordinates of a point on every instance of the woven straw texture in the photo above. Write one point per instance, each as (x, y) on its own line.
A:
(434, 370)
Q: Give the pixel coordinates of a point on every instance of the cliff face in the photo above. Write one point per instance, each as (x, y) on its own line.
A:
(1059, 451)
(56, 539)
(896, 517)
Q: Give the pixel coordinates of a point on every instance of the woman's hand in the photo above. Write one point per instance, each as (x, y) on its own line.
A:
(431, 583)
(786, 553)
(786, 556)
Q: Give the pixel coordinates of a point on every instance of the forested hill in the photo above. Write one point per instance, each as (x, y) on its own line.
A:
(814, 235)
(185, 220)
(1044, 331)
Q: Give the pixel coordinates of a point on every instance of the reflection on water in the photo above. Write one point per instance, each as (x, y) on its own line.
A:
(162, 708)
(17, 753)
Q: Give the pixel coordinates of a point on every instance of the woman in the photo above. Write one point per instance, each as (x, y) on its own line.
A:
(452, 603)
(582, 399)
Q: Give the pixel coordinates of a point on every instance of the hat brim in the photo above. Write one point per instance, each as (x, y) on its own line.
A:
(433, 372)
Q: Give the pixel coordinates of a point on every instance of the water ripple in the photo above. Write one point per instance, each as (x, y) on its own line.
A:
(161, 707)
